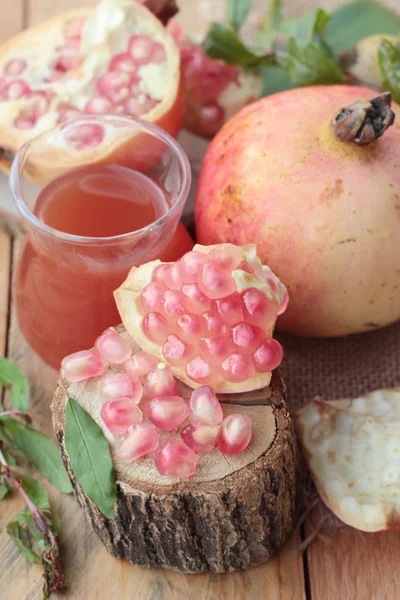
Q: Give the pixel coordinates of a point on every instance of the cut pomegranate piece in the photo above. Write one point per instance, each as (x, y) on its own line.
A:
(140, 364)
(82, 365)
(85, 136)
(238, 367)
(118, 385)
(235, 434)
(113, 348)
(176, 459)
(160, 382)
(73, 29)
(120, 414)
(123, 62)
(268, 356)
(114, 85)
(202, 438)
(15, 67)
(167, 412)
(15, 90)
(141, 440)
(205, 408)
(99, 105)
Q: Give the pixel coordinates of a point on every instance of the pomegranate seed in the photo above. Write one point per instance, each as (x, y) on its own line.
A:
(158, 53)
(135, 107)
(211, 115)
(67, 111)
(205, 408)
(15, 90)
(23, 123)
(172, 277)
(82, 365)
(151, 297)
(216, 349)
(73, 29)
(140, 48)
(123, 62)
(173, 304)
(38, 105)
(284, 304)
(213, 325)
(190, 327)
(175, 351)
(268, 356)
(258, 309)
(114, 85)
(85, 136)
(227, 256)
(235, 434)
(215, 282)
(199, 370)
(15, 67)
(190, 264)
(140, 364)
(176, 459)
(155, 327)
(68, 59)
(119, 414)
(141, 439)
(200, 439)
(160, 382)
(118, 385)
(3, 83)
(237, 368)
(113, 348)
(230, 308)
(160, 272)
(246, 337)
(99, 105)
(195, 301)
(167, 412)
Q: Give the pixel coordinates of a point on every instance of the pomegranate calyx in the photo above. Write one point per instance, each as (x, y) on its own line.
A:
(164, 10)
(364, 121)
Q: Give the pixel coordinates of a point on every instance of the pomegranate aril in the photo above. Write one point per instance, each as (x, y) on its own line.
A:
(141, 47)
(114, 85)
(3, 83)
(200, 370)
(176, 459)
(85, 136)
(237, 368)
(258, 309)
(166, 412)
(284, 304)
(15, 67)
(67, 111)
(173, 304)
(202, 438)
(172, 277)
(141, 439)
(214, 325)
(211, 115)
(140, 364)
(82, 365)
(123, 62)
(160, 382)
(134, 106)
(215, 282)
(15, 90)
(227, 256)
(119, 414)
(156, 327)
(99, 105)
(160, 272)
(113, 348)
(216, 349)
(23, 123)
(246, 337)
(73, 29)
(235, 434)
(230, 308)
(195, 301)
(190, 327)
(175, 351)
(205, 408)
(190, 265)
(118, 385)
(68, 59)
(268, 356)
(151, 297)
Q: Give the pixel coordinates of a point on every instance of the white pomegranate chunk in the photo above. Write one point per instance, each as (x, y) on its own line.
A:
(160, 382)
(167, 412)
(201, 438)
(176, 459)
(15, 67)
(119, 414)
(141, 440)
(205, 408)
(113, 348)
(235, 434)
(140, 364)
(117, 385)
(82, 365)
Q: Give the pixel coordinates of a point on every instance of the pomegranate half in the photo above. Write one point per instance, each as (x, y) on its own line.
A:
(116, 58)
(324, 214)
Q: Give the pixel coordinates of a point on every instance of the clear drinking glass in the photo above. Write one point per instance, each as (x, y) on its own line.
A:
(64, 283)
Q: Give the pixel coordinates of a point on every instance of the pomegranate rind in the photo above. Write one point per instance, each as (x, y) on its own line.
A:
(127, 298)
(352, 448)
(168, 113)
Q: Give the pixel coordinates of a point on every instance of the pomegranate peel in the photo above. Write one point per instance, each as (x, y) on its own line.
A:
(200, 349)
(352, 448)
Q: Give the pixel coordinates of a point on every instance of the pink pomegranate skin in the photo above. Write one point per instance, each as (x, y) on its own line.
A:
(325, 215)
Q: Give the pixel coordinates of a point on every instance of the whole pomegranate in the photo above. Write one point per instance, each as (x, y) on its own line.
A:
(324, 213)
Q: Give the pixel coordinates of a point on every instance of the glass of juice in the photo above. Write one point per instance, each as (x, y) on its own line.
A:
(98, 195)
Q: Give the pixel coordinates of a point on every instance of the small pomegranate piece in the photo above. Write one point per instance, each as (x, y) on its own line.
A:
(205, 408)
(202, 438)
(268, 356)
(117, 385)
(176, 459)
(113, 348)
(82, 365)
(140, 364)
(215, 282)
(160, 382)
(141, 439)
(167, 412)
(119, 414)
(235, 434)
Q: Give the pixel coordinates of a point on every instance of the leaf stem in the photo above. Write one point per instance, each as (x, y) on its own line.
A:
(14, 412)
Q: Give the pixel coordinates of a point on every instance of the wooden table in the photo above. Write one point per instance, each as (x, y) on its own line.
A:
(341, 564)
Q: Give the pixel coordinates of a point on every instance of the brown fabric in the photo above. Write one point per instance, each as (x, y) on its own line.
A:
(342, 367)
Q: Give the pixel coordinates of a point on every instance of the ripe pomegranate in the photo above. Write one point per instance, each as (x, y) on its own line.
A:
(324, 213)
(116, 58)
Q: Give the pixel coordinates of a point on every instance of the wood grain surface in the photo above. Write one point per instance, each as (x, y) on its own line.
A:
(341, 564)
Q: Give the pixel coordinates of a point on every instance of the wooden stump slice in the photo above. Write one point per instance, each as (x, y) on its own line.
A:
(233, 514)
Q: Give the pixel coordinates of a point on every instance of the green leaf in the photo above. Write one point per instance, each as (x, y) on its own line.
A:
(237, 12)
(275, 79)
(90, 458)
(22, 539)
(222, 42)
(11, 460)
(389, 63)
(273, 18)
(304, 28)
(4, 489)
(310, 63)
(41, 450)
(357, 20)
(11, 375)
(36, 492)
